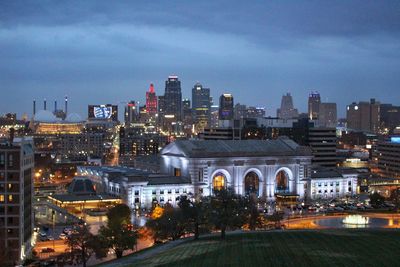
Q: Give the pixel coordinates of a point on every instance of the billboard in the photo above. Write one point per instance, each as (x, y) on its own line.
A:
(102, 112)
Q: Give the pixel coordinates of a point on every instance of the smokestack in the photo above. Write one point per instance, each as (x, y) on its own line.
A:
(34, 107)
(55, 106)
(45, 104)
(66, 105)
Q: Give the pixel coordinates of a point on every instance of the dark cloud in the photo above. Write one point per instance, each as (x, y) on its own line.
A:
(110, 51)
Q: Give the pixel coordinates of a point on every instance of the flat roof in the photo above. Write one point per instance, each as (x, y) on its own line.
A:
(82, 198)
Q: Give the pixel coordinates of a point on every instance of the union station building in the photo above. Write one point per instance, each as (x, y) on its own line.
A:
(270, 170)
(264, 168)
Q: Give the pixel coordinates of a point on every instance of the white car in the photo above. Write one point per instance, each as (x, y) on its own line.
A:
(63, 236)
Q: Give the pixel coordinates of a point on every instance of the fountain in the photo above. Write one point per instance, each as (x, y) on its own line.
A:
(356, 221)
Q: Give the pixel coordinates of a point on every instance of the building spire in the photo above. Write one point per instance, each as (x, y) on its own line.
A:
(151, 88)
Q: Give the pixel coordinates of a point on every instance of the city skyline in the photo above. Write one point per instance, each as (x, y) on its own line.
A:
(112, 53)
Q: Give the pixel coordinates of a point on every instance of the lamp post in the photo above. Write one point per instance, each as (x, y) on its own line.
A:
(53, 216)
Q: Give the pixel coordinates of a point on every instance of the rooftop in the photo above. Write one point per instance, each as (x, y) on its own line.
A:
(228, 148)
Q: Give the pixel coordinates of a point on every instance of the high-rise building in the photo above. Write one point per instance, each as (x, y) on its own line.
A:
(327, 114)
(388, 154)
(151, 101)
(16, 192)
(131, 113)
(201, 106)
(187, 115)
(314, 100)
(173, 98)
(287, 110)
(226, 107)
(364, 116)
(390, 117)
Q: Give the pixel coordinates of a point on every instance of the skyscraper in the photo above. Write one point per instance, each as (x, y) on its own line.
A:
(201, 106)
(16, 191)
(287, 110)
(173, 98)
(131, 113)
(314, 99)
(364, 116)
(226, 107)
(327, 114)
(151, 101)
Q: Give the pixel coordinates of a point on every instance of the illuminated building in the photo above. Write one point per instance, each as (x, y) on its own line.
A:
(16, 190)
(137, 188)
(226, 107)
(364, 116)
(173, 98)
(389, 117)
(151, 101)
(201, 106)
(266, 169)
(287, 110)
(314, 100)
(45, 122)
(138, 141)
(388, 154)
(131, 113)
(332, 183)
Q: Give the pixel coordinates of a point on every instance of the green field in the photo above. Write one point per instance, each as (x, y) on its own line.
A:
(288, 248)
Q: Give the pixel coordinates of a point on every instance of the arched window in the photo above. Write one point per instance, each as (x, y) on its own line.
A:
(282, 181)
(219, 181)
(251, 183)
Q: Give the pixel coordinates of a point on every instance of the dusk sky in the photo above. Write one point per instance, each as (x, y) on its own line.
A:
(100, 52)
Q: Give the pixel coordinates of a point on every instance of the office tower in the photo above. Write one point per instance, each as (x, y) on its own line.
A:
(45, 104)
(239, 111)
(201, 106)
(173, 98)
(131, 113)
(314, 99)
(327, 114)
(34, 107)
(151, 101)
(226, 107)
(16, 191)
(364, 116)
(187, 116)
(388, 154)
(389, 117)
(287, 110)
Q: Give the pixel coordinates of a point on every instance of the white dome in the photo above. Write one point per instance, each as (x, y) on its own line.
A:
(73, 117)
(45, 116)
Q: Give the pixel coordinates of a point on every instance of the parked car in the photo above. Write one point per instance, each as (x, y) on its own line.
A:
(43, 236)
(50, 238)
(63, 236)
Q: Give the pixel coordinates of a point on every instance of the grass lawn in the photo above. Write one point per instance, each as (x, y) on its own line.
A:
(287, 248)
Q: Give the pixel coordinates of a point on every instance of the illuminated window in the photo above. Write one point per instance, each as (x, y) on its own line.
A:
(10, 198)
(219, 181)
(1, 198)
(177, 172)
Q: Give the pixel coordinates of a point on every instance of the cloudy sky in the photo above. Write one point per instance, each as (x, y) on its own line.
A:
(110, 51)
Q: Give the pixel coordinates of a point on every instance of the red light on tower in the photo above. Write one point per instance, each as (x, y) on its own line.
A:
(151, 101)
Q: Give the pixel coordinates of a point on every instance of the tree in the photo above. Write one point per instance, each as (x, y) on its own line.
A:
(171, 224)
(376, 199)
(276, 217)
(195, 214)
(253, 215)
(83, 245)
(395, 197)
(118, 234)
(227, 210)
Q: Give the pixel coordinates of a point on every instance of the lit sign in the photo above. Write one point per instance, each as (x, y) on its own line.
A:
(102, 112)
(395, 140)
